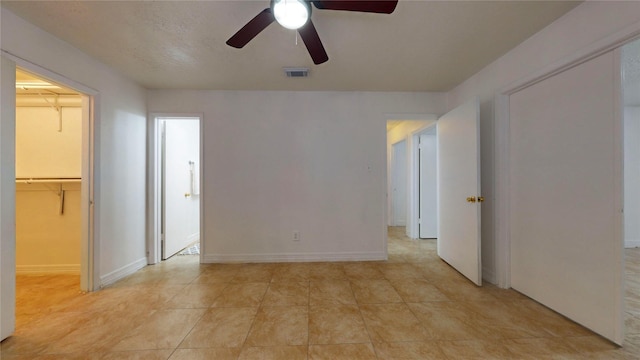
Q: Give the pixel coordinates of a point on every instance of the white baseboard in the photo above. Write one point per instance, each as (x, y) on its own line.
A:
(122, 272)
(631, 243)
(68, 269)
(269, 258)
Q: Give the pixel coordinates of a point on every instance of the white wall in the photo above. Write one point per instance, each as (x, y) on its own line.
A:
(41, 150)
(632, 176)
(278, 162)
(120, 140)
(586, 24)
(46, 240)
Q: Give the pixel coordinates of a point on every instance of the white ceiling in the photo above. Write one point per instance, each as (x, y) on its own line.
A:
(422, 46)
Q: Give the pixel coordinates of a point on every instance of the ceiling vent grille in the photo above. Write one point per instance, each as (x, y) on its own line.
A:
(296, 72)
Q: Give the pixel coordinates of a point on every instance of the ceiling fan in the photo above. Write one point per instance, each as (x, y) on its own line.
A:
(296, 15)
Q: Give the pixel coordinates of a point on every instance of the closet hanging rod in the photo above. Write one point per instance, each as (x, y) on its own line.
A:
(47, 180)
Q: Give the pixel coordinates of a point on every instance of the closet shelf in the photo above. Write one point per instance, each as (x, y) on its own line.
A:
(47, 180)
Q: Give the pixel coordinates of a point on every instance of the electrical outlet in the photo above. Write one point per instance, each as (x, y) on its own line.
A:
(296, 236)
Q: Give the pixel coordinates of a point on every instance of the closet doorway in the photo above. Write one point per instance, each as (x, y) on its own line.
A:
(53, 157)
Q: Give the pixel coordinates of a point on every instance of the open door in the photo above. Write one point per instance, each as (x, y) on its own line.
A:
(565, 197)
(459, 189)
(181, 200)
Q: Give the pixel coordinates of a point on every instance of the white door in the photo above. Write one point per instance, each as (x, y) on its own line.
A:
(459, 189)
(428, 187)
(399, 177)
(181, 205)
(565, 195)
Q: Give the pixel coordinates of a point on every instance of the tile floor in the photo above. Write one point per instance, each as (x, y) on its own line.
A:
(413, 306)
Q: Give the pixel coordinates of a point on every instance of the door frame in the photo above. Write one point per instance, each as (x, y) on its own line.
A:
(501, 149)
(154, 183)
(394, 182)
(90, 240)
(414, 180)
(413, 187)
(89, 243)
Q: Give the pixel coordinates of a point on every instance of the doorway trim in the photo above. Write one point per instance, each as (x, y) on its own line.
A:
(413, 226)
(394, 183)
(89, 243)
(501, 149)
(154, 184)
(411, 222)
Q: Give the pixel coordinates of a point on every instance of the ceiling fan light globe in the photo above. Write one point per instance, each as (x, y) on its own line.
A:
(291, 14)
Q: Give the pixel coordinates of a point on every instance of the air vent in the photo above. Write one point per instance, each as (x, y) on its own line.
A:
(296, 72)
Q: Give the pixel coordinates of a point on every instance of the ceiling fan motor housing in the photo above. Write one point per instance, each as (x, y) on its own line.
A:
(291, 14)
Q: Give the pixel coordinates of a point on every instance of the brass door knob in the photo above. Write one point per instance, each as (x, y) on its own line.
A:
(480, 198)
(187, 195)
(471, 199)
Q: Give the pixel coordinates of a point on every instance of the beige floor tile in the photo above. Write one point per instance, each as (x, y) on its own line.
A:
(342, 352)
(41, 333)
(362, 271)
(165, 329)
(67, 356)
(137, 355)
(446, 321)
(280, 326)
(206, 354)
(327, 271)
(476, 349)
(292, 272)
(222, 273)
(221, 328)
(374, 292)
(336, 324)
(400, 271)
(196, 296)
(327, 292)
(590, 344)
(417, 290)
(274, 353)
(501, 320)
(409, 350)
(552, 322)
(150, 309)
(100, 332)
(254, 273)
(464, 290)
(391, 323)
(241, 295)
(536, 348)
(287, 293)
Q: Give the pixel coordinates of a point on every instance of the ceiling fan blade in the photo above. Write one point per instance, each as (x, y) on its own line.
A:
(312, 41)
(251, 29)
(373, 6)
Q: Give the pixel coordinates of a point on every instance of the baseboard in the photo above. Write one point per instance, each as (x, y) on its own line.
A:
(123, 272)
(68, 269)
(270, 258)
(489, 275)
(631, 244)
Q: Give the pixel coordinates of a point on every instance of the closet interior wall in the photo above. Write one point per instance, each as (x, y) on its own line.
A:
(48, 180)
